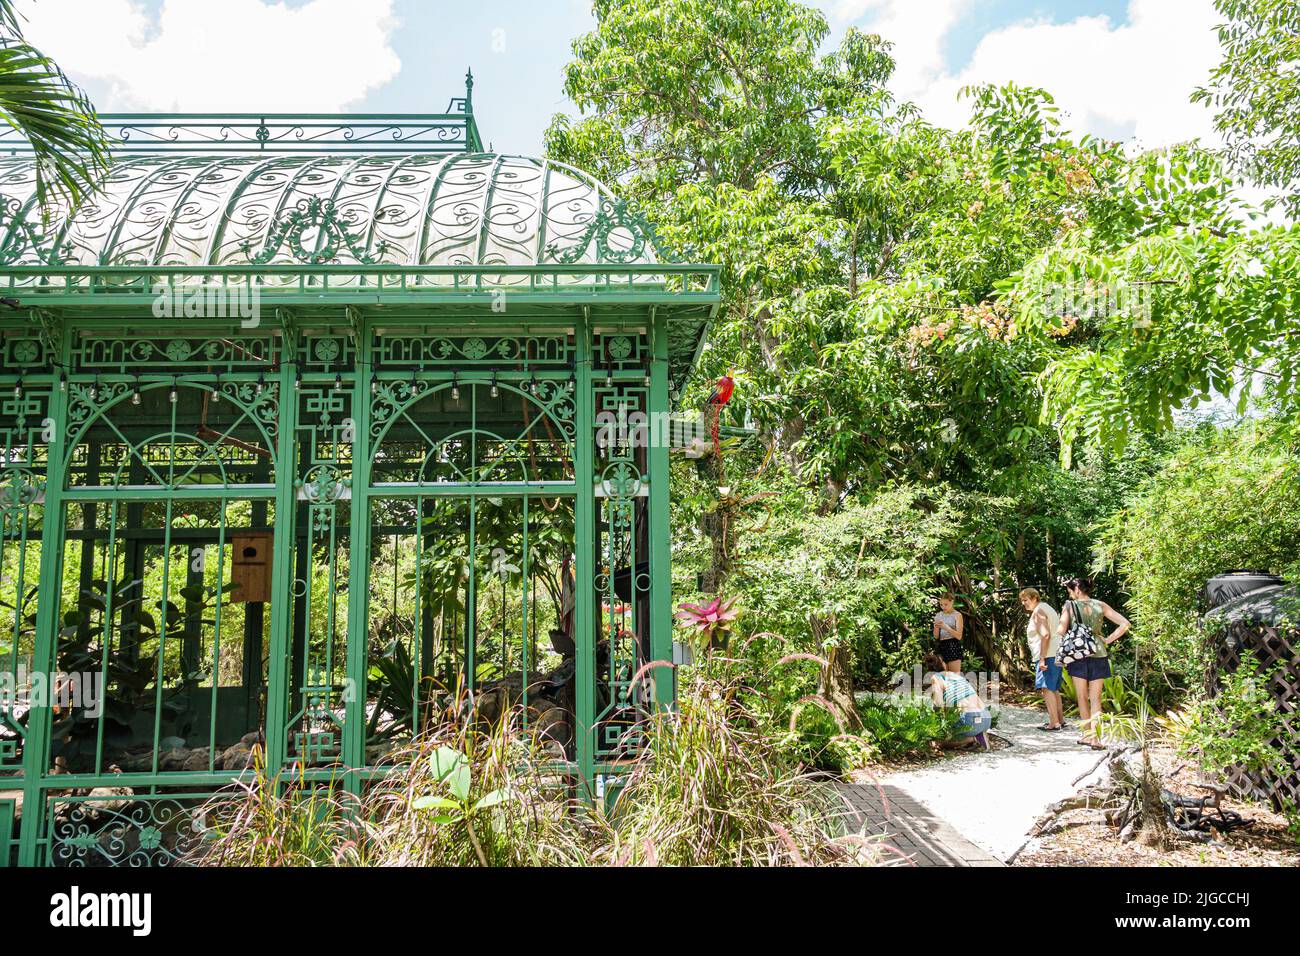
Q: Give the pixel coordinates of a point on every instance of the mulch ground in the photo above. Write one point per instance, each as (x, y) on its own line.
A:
(1082, 837)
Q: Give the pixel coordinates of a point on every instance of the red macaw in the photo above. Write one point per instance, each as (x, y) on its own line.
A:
(722, 391)
(721, 395)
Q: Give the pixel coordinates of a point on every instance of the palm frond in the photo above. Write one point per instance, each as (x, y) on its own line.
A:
(9, 19)
(53, 114)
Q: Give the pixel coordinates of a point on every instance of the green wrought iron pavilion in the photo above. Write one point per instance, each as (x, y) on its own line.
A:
(305, 430)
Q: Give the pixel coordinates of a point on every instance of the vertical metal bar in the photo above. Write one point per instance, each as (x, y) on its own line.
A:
(523, 633)
(216, 637)
(420, 613)
(162, 630)
(584, 552)
(36, 749)
(360, 520)
(106, 634)
(297, 691)
(661, 598)
(331, 601)
(282, 582)
(471, 599)
(20, 592)
(359, 531)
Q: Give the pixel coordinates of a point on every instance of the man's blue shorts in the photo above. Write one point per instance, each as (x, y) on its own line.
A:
(1049, 677)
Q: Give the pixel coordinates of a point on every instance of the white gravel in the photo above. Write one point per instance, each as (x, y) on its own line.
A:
(993, 797)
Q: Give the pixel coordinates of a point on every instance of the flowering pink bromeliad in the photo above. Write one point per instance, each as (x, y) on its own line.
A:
(711, 622)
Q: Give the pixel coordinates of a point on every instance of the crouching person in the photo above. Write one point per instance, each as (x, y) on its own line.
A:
(949, 689)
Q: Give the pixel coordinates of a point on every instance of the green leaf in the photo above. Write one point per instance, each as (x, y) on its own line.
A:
(491, 800)
(452, 768)
(434, 803)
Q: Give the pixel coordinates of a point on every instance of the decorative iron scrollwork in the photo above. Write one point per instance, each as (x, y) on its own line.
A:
(19, 235)
(155, 832)
(614, 217)
(19, 488)
(319, 216)
(324, 484)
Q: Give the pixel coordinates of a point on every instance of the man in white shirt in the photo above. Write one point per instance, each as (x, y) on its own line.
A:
(1044, 643)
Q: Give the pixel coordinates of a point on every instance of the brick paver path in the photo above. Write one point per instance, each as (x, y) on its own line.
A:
(908, 827)
(974, 808)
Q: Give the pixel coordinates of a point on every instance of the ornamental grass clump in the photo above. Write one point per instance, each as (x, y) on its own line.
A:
(713, 786)
(714, 789)
(475, 794)
(269, 821)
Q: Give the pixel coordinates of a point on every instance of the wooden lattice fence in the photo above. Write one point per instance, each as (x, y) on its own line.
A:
(1262, 646)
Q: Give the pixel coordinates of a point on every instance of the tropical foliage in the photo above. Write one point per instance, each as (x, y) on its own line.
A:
(53, 114)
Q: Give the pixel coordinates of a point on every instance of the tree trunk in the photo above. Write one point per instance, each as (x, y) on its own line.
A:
(1154, 831)
(717, 525)
(832, 489)
(836, 684)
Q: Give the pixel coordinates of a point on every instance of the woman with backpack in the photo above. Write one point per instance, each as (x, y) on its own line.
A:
(1083, 647)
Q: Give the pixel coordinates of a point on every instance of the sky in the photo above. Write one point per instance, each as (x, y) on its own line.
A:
(1122, 69)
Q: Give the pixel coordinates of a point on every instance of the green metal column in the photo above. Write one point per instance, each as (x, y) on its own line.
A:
(286, 467)
(584, 623)
(660, 530)
(354, 731)
(36, 748)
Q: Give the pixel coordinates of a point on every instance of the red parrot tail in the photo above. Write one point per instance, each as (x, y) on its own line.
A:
(721, 395)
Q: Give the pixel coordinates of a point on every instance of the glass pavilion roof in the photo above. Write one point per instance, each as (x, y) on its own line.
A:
(417, 209)
(400, 212)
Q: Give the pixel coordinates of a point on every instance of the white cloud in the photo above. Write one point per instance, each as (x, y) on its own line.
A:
(235, 55)
(916, 28)
(1128, 81)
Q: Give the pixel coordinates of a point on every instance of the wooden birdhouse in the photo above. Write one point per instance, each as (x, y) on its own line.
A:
(251, 567)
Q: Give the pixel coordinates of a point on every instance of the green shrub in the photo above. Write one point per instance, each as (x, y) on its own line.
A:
(1228, 499)
(817, 741)
(906, 727)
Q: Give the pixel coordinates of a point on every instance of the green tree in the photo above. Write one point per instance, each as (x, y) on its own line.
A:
(1255, 91)
(848, 230)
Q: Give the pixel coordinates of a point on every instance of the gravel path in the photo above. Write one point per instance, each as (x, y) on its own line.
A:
(993, 798)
